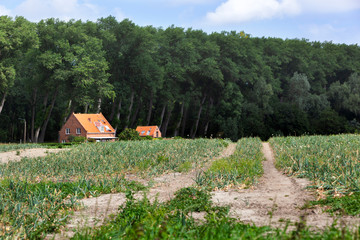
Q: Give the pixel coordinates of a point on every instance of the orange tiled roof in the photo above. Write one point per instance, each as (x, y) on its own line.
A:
(144, 129)
(91, 122)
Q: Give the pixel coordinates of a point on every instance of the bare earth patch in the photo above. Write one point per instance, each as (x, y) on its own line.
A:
(17, 155)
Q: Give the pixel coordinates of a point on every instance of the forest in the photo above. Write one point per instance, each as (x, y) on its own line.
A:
(188, 82)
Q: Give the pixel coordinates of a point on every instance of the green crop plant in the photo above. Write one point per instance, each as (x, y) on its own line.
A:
(13, 146)
(332, 163)
(30, 210)
(242, 168)
(148, 158)
(141, 219)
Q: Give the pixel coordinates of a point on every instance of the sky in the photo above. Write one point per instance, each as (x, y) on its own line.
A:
(337, 21)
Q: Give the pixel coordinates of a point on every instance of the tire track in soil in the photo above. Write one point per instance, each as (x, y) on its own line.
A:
(96, 210)
(275, 200)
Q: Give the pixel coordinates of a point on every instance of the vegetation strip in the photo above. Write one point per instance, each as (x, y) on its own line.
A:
(241, 169)
(331, 162)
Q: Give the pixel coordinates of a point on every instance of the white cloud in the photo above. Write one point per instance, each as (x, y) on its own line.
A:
(36, 10)
(244, 10)
(4, 11)
(235, 11)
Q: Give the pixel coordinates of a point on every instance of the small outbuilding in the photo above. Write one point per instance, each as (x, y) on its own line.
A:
(90, 126)
(152, 131)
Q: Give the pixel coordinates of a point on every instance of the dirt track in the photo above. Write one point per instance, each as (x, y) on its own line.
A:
(16, 155)
(275, 200)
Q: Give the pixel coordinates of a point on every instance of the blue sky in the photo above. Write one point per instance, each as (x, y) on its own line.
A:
(317, 20)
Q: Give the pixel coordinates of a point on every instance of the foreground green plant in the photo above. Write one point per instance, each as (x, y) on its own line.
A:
(30, 210)
(141, 219)
(242, 168)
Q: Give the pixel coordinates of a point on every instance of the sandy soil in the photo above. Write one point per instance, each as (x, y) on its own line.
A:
(16, 155)
(274, 201)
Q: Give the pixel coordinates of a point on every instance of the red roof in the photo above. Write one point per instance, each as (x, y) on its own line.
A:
(94, 123)
(147, 130)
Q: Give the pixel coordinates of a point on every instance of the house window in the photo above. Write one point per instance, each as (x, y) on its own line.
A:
(63, 141)
(101, 128)
(142, 132)
(67, 131)
(78, 131)
(148, 132)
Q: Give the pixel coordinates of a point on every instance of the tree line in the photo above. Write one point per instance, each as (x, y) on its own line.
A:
(188, 82)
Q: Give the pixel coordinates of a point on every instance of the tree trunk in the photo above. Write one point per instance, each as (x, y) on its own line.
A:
(162, 116)
(2, 103)
(133, 119)
(68, 111)
(47, 117)
(112, 111)
(208, 116)
(198, 117)
(86, 108)
(130, 107)
(98, 109)
(167, 120)
(150, 109)
(176, 132)
(33, 113)
(183, 124)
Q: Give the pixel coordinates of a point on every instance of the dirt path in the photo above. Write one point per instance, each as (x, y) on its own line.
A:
(16, 155)
(275, 200)
(96, 210)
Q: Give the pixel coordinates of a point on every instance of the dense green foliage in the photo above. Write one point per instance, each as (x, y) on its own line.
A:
(129, 134)
(187, 82)
(241, 169)
(331, 163)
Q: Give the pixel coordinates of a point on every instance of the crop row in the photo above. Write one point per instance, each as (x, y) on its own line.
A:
(107, 159)
(331, 162)
(12, 146)
(243, 168)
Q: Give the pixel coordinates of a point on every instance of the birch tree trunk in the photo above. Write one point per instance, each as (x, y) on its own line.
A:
(183, 124)
(33, 113)
(176, 132)
(211, 104)
(98, 109)
(162, 116)
(198, 117)
(2, 103)
(130, 107)
(167, 120)
(133, 119)
(150, 109)
(47, 118)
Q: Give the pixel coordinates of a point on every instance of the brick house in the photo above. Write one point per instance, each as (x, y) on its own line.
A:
(93, 126)
(152, 131)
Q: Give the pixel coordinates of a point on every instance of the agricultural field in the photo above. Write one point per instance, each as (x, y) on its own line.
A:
(332, 163)
(39, 196)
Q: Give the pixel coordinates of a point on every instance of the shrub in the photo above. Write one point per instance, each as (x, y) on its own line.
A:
(129, 134)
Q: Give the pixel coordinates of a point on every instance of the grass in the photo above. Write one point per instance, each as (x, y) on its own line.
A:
(243, 168)
(330, 162)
